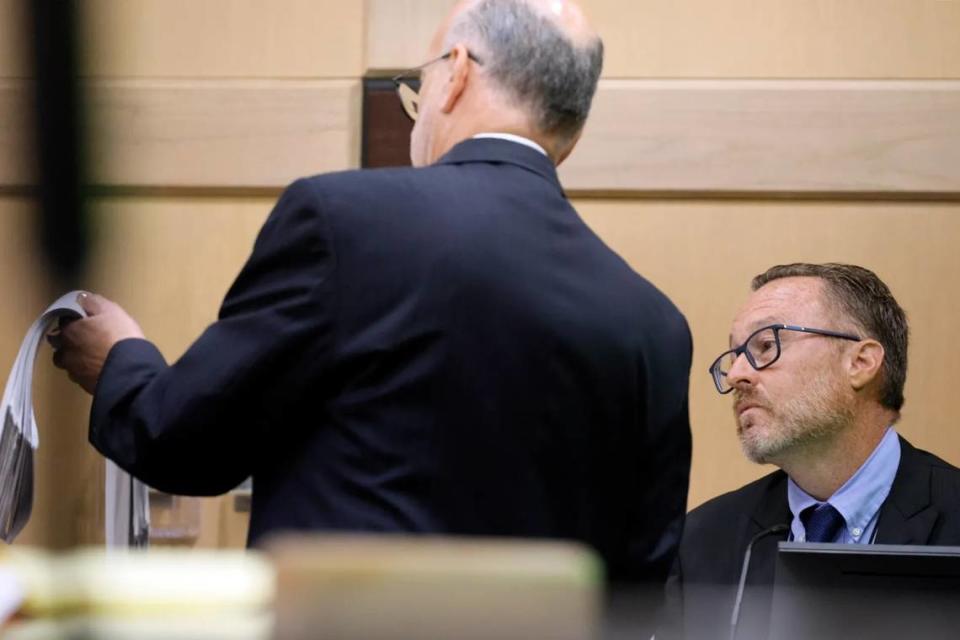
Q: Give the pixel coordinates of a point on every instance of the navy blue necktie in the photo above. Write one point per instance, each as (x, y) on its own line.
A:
(822, 522)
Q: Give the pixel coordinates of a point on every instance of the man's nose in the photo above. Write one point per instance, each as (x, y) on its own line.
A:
(741, 372)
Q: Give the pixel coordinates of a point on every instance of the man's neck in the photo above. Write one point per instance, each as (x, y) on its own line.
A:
(461, 131)
(821, 467)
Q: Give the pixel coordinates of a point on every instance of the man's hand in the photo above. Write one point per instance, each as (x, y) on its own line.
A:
(81, 347)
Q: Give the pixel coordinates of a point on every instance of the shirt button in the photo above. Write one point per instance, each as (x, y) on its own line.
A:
(857, 532)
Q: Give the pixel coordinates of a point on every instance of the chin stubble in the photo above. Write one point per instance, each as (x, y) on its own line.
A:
(816, 416)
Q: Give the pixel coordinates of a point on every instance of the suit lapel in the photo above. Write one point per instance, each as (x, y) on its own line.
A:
(908, 515)
(771, 509)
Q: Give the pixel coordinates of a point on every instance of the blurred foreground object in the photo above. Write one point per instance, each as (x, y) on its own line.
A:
(58, 135)
(163, 594)
(393, 587)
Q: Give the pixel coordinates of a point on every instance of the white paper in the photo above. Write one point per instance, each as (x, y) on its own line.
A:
(127, 516)
(19, 438)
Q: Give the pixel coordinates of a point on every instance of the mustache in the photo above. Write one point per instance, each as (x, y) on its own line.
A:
(751, 398)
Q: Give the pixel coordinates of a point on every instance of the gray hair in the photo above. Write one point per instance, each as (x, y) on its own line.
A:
(533, 61)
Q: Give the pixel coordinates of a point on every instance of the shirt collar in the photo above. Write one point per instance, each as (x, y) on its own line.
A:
(860, 497)
(513, 138)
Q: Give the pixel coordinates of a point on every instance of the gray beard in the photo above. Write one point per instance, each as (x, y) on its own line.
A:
(804, 421)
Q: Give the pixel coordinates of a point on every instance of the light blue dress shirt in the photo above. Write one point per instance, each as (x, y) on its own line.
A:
(860, 497)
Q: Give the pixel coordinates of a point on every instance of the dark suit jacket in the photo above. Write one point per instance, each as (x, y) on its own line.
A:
(447, 349)
(923, 508)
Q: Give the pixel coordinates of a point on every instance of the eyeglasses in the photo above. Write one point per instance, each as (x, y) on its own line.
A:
(410, 96)
(762, 349)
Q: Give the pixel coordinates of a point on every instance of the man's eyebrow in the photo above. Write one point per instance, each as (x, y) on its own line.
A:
(766, 321)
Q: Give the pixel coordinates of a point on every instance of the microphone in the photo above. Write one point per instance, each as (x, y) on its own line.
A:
(735, 618)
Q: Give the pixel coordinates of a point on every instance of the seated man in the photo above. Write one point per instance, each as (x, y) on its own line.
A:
(817, 369)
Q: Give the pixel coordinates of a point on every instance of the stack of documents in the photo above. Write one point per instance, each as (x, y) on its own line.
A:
(127, 514)
(127, 508)
(19, 438)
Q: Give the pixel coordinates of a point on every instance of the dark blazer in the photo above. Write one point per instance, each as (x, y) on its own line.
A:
(447, 349)
(923, 508)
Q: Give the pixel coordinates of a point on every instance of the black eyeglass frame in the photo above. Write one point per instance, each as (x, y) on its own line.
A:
(405, 79)
(714, 369)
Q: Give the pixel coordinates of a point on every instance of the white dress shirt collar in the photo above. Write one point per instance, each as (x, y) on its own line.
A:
(527, 142)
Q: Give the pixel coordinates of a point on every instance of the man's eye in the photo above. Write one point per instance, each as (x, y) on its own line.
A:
(765, 345)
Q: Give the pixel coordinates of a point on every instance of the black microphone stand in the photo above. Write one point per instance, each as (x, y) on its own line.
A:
(735, 618)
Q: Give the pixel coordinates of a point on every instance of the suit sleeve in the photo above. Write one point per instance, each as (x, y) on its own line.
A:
(195, 427)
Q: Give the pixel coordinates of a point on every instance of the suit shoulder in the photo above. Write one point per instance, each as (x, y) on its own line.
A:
(943, 472)
(365, 180)
(945, 479)
(938, 463)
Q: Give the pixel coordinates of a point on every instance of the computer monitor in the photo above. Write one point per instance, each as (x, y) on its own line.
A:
(865, 591)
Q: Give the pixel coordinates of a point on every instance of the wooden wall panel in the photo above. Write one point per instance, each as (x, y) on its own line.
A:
(169, 261)
(16, 157)
(779, 38)
(224, 38)
(399, 32)
(13, 54)
(21, 276)
(836, 137)
(159, 133)
(816, 138)
(235, 134)
(703, 255)
(735, 39)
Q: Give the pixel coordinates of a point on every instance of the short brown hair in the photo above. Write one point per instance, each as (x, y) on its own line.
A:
(860, 295)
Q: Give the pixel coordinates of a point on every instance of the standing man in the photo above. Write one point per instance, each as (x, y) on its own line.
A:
(444, 349)
(816, 371)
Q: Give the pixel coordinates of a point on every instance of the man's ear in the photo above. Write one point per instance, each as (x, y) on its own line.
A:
(866, 359)
(459, 76)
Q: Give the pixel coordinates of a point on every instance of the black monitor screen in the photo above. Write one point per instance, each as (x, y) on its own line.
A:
(865, 591)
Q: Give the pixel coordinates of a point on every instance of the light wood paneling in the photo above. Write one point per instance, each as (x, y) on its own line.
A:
(399, 32)
(202, 133)
(224, 38)
(736, 39)
(222, 133)
(169, 261)
(21, 274)
(762, 136)
(845, 138)
(780, 38)
(16, 158)
(13, 54)
(703, 255)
